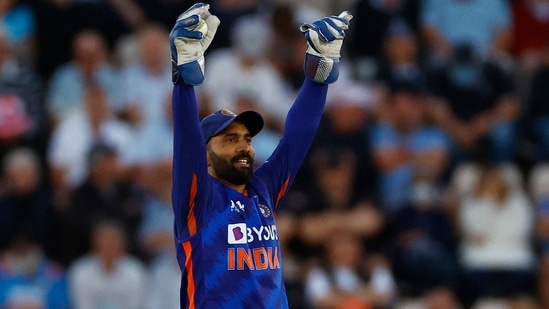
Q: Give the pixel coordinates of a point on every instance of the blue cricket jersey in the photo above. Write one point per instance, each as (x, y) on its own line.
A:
(227, 243)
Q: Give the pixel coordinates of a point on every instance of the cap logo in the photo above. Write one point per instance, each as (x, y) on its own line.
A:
(227, 112)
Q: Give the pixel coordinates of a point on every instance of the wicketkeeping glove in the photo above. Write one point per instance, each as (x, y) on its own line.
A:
(324, 39)
(191, 35)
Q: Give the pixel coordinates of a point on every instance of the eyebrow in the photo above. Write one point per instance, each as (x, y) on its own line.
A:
(237, 134)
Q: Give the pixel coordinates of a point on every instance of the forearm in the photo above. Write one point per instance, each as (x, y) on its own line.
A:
(305, 114)
(189, 156)
(185, 114)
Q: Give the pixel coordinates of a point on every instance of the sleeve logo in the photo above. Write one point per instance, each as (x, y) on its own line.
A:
(237, 206)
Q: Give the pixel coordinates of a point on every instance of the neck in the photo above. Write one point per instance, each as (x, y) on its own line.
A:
(239, 188)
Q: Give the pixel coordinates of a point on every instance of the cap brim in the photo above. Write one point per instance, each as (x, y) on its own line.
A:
(252, 120)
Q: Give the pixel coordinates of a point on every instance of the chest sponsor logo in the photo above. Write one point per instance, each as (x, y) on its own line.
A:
(237, 233)
(253, 259)
(240, 233)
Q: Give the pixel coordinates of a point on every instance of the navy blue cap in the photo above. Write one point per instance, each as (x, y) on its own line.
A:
(215, 123)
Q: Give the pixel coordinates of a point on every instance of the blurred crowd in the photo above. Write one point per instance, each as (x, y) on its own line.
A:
(427, 185)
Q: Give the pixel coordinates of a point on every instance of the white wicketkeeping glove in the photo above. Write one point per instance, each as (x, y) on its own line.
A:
(191, 35)
(324, 39)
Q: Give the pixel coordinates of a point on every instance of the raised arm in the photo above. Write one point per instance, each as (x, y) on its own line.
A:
(321, 67)
(190, 37)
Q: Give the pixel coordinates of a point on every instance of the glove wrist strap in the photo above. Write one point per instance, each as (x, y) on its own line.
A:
(320, 69)
(192, 73)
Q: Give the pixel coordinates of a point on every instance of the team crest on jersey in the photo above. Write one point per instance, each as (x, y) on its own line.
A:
(237, 206)
(227, 112)
(265, 210)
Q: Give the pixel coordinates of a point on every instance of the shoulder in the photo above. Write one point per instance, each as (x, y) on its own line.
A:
(132, 267)
(83, 267)
(66, 71)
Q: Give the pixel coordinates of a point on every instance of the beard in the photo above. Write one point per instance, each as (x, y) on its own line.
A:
(226, 170)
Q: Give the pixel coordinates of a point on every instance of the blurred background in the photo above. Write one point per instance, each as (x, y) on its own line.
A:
(427, 185)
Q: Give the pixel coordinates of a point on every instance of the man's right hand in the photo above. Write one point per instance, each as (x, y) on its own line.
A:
(325, 39)
(191, 35)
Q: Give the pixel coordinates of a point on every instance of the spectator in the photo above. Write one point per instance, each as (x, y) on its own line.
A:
(28, 277)
(476, 106)
(163, 283)
(18, 22)
(156, 227)
(496, 227)
(146, 99)
(107, 277)
(374, 19)
(143, 87)
(156, 237)
(25, 200)
(260, 85)
(89, 68)
(334, 202)
(401, 62)
(536, 119)
(530, 29)
(424, 257)
(285, 32)
(488, 30)
(403, 145)
(23, 119)
(80, 128)
(347, 119)
(346, 277)
(103, 194)
(287, 227)
(329, 200)
(530, 35)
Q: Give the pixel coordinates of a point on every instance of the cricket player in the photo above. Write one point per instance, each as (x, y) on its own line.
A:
(227, 242)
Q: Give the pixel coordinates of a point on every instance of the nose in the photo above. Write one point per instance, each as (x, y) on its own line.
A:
(244, 146)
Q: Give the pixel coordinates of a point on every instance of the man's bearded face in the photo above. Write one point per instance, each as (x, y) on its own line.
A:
(231, 170)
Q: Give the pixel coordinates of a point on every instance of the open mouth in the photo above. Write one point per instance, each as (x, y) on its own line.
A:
(242, 162)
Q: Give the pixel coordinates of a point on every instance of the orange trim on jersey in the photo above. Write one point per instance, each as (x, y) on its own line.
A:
(282, 191)
(190, 275)
(191, 219)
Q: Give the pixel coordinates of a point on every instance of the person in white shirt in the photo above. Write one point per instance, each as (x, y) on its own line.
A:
(496, 250)
(107, 277)
(260, 85)
(70, 82)
(145, 83)
(346, 276)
